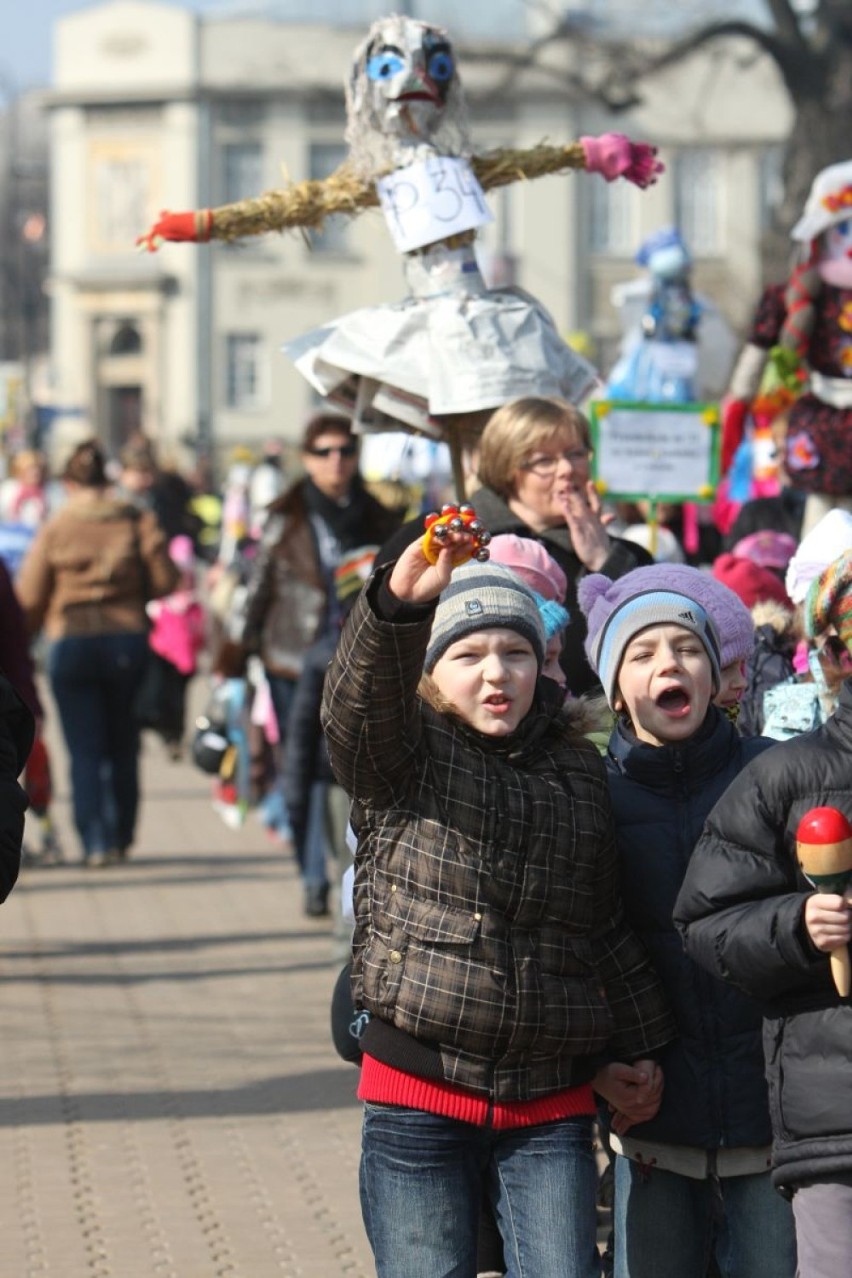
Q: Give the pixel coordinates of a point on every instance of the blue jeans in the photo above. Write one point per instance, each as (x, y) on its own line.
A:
(314, 873)
(282, 689)
(423, 1178)
(94, 680)
(669, 1226)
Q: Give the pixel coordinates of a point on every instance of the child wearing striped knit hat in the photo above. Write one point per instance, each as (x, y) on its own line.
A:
(489, 948)
(828, 624)
(828, 605)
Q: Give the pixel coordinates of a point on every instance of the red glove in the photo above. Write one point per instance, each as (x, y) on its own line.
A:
(734, 414)
(183, 228)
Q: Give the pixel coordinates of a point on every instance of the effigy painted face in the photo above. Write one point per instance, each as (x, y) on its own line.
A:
(416, 68)
(835, 261)
(409, 68)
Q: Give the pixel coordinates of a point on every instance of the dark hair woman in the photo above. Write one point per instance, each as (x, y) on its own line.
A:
(85, 581)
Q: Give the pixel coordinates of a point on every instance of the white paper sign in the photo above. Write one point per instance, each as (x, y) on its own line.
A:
(675, 359)
(654, 452)
(430, 200)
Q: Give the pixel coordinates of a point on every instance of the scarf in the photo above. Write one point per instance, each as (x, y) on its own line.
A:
(344, 519)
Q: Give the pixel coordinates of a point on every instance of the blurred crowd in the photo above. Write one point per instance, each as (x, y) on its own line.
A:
(128, 578)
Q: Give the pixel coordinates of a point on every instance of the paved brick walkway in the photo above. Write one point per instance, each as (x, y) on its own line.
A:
(170, 1102)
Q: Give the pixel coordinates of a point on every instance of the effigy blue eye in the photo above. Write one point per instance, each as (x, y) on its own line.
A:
(844, 228)
(384, 66)
(440, 67)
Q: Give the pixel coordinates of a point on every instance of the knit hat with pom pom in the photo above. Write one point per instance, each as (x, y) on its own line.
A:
(829, 601)
(616, 611)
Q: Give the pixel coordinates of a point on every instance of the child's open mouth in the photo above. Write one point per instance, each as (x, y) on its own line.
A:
(674, 701)
(498, 703)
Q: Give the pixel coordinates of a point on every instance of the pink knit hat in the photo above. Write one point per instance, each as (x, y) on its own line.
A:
(766, 548)
(532, 563)
(749, 581)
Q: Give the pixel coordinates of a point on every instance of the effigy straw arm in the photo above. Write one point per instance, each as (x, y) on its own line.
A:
(507, 164)
(306, 205)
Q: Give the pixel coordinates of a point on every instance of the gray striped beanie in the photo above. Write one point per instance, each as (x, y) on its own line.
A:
(484, 596)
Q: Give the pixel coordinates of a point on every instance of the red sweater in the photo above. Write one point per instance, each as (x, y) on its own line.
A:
(385, 1085)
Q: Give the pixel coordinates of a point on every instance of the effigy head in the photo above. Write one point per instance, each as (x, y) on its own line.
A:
(403, 93)
(665, 254)
(827, 218)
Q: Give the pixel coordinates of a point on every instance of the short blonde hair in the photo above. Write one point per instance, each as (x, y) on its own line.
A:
(517, 429)
(24, 460)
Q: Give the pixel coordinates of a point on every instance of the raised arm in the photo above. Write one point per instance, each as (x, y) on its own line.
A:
(370, 710)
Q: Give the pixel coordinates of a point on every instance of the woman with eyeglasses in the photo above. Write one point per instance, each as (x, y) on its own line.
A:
(534, 466)
(291, 600)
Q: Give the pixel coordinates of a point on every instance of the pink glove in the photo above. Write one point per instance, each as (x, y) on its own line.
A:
(613, 155)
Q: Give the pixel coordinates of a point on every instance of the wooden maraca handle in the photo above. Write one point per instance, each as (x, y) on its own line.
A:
(841, 970)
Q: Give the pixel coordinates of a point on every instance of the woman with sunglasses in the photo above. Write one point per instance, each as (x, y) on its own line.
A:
(291, 601)
(534, 466)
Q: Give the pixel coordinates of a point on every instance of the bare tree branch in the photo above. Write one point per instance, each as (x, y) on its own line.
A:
(787, 23)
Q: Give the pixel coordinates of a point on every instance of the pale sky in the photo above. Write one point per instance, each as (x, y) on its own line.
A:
(25, 51)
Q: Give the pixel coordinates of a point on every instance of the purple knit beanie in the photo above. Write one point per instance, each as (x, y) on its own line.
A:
(732, 619)
(615, 611)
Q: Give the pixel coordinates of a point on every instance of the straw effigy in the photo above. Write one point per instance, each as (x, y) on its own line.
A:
(307, 204)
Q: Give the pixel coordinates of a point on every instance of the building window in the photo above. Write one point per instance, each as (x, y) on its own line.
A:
(612, 217)
(244, 365)
(771, 188)
(241, 113)
(698, 193)
(324, 158)
(242, 170)
(123, 188)
(126, 341)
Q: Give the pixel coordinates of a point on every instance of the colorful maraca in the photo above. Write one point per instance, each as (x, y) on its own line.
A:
(455, 519)
(824, 850)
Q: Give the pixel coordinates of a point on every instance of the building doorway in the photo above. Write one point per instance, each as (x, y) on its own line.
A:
(123, 413)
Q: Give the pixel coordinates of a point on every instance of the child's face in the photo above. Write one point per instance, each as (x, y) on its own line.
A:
(732, 684)
(489, 678)
(665, 683)
(551, 668)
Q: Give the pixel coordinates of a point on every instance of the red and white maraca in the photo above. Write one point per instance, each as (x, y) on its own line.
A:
(455, 519)
(824, 850)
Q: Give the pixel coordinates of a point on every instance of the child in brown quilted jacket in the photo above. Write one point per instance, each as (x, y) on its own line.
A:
(490, 949)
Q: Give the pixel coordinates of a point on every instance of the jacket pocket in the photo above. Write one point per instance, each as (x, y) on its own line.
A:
(417, 965)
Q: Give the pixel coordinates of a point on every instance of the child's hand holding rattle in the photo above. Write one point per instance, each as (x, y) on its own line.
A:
(455, 519)
(425, 567)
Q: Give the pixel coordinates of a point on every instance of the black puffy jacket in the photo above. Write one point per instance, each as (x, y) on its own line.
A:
(715, 1092)
(741, 909)
(16, 742)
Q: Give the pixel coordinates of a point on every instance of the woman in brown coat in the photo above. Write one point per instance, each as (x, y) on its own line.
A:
(85, 581)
